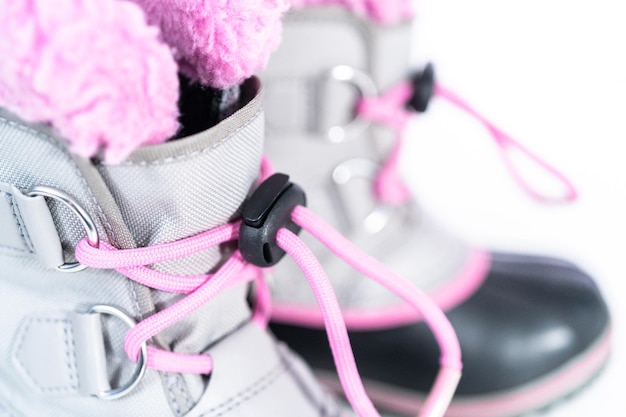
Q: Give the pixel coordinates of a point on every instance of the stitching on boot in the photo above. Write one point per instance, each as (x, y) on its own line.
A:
(135, 298)
(184, 392)
(10, 248)
(250, 392)
(178, 394)
(170, 382)
(193, 154)
(15, 251)
(70, 355)
(17, 216)
(6, 411)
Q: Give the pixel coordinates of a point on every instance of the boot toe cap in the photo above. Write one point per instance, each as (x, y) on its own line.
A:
(531, 317)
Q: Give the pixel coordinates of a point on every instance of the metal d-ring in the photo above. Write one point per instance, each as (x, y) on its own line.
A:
(366, 87)
(142, 363)
(83, 216)
(351, 169)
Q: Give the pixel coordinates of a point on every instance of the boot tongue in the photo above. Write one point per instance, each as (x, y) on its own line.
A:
(184, 187)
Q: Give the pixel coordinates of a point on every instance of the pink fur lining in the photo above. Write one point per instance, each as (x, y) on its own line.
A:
(380, 11)
(219, 42)
(93, 69)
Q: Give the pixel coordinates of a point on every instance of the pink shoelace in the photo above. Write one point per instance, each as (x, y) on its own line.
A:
(391, 109)
(201, 289)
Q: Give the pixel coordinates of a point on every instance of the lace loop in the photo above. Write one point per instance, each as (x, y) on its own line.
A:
(390, 109)
(507, 144)
(435, 318)
(450, 359)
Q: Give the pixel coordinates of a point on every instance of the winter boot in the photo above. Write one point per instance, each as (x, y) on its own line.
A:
(125, 286)
(63, 350)
(64, 327)
(532, 329)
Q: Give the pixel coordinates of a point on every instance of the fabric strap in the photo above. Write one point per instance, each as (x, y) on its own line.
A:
(27, 226)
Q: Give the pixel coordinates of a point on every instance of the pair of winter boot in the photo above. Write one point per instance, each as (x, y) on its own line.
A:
(179, 238)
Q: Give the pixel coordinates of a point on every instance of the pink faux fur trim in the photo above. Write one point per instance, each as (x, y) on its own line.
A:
(380, 11)
(93, 69)
(219, 42)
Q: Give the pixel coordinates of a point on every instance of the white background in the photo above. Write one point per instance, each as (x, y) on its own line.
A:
(552, 74)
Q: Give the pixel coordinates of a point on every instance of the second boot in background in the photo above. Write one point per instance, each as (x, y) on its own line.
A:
(532, 329)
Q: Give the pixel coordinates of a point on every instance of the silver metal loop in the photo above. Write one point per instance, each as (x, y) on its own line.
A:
(366, 87)
(351, 169)
(142, 363)
(83, 216)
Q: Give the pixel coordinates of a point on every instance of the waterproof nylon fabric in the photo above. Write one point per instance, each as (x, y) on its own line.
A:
(183, 188)
(33, 156)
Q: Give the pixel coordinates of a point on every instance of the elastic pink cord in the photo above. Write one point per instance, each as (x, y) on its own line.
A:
(506, 143)
(335, 326)
(433, 316)
(132, 262)
(180, 284)
(444, 334)
(111, 259)
(160, 321)
(454, 292)
(390, 109)
(202, 289)
(179, 362)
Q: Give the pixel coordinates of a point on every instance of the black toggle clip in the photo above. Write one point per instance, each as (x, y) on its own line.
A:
(266, 212)
(423, 88)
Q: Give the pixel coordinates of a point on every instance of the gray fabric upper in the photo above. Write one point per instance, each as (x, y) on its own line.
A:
(162, 193)
(301, 105)
(33, 156)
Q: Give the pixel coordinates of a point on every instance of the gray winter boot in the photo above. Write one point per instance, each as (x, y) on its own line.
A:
(64, 327)
(532, 329)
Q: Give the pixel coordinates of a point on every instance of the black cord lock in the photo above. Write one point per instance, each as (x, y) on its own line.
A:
(266, 212)
(423, 88)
